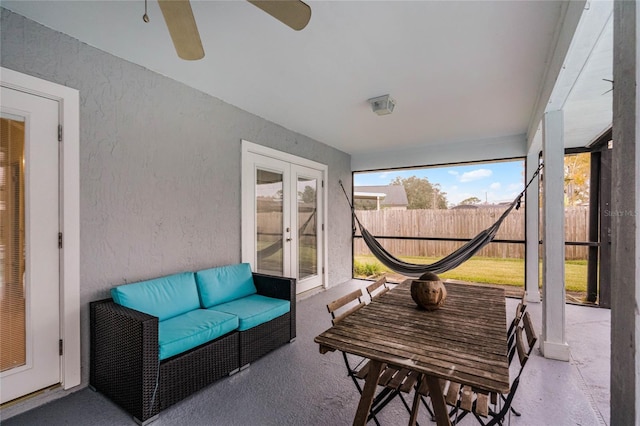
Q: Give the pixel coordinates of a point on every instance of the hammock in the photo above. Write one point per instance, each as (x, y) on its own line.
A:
(451, 261)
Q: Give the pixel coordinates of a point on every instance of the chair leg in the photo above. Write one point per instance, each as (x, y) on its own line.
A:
(404, 401)
(372, 415)
(426, 404)
(382, 399)
(482, 421)
(454, 414)
(513, 410)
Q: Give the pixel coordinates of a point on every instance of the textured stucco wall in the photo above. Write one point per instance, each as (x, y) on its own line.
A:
(159, 166)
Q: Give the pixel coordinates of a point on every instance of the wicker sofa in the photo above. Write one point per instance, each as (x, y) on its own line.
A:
(139, 363)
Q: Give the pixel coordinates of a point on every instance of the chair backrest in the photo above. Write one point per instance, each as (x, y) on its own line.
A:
(530, 331)
(378, 288)
(524, 350)
(523, 353)
(344, 306)
(511, 338)
(522, 306)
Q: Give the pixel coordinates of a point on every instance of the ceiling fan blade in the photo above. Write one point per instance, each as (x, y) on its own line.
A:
(182, 28)
(293, 13)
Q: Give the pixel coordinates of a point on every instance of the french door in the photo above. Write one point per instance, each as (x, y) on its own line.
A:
(29, 254)
(283, 226)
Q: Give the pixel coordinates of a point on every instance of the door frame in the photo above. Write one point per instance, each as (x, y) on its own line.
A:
(69, 117)
(250, 147)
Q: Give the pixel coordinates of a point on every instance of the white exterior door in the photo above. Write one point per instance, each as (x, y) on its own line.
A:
(283, 219)
(30, 278)
(307, 227)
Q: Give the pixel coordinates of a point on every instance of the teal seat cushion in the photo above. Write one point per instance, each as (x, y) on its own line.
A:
(164, 297)
(224, 284)
(186, 331)
(254, 310)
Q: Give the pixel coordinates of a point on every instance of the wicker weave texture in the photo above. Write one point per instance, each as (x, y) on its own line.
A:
(262, 339)
(187, 373)
(279, 288)
(124, 356)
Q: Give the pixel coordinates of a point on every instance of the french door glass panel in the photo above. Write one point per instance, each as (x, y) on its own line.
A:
(12, 244)
(308, 230)
(269, 222)
(306, 190)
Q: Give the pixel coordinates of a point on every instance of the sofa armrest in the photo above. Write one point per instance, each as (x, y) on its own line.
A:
(276, 287)
(124, 360)
(279, 288)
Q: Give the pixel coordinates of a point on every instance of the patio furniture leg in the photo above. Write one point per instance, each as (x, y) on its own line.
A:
(370, 385)
(437, 401)
(416, 404)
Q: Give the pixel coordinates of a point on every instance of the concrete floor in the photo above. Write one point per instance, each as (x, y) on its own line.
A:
(296, 385)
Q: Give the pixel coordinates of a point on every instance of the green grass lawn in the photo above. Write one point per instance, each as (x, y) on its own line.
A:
(482, 270)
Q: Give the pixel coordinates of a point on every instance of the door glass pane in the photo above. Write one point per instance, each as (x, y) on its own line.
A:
(269, 222)
(12, 245)
(308, 228)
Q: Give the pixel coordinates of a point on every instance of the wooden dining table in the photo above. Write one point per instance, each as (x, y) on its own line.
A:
(464, 341)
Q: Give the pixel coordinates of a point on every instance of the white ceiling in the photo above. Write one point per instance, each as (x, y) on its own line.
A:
(459, 71)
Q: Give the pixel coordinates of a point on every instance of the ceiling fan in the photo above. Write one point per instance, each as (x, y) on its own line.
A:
(184, 32)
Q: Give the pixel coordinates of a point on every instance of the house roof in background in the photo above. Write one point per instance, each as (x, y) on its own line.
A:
(394, 195)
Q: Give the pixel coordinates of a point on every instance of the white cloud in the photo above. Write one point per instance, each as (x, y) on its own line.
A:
(453, 172)
(390, 175)
(495, 186)
(475, 175)
(515, 187)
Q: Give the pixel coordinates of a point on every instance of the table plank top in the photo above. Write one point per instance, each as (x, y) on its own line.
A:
(463, 341)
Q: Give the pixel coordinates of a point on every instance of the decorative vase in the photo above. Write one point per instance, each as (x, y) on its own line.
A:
(428, 292)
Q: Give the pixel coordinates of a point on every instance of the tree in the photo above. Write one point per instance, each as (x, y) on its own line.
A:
(308, 195)
(577, 171)
(360, 204)
(422, 194)
(470, 201)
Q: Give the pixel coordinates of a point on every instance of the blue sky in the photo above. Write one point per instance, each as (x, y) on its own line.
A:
(491, 182)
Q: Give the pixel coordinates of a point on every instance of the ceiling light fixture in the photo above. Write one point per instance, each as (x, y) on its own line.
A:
(382, 105)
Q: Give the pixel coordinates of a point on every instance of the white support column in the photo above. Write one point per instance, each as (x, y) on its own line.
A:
(553, 344)
(625, 217)
(532, 205)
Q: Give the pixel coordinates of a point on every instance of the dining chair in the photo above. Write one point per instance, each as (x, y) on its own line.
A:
(452, 394)
(476, 401)
(378, 288)
(511, 341)
(520, 309)
(375, 290)
(392, 381)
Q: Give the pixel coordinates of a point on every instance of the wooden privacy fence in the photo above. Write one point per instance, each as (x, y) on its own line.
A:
(461, 223)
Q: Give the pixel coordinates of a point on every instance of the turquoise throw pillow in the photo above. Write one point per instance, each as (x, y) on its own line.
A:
(224, 284)
(164, 297)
